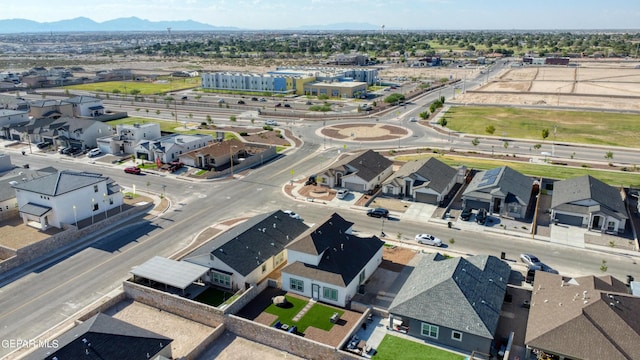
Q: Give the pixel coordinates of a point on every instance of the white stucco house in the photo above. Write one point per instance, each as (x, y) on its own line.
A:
(85, 106)
(66, 197)
(127, 137)
(169, 148)
(328, 263)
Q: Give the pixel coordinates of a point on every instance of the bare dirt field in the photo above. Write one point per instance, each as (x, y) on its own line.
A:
(611, 85)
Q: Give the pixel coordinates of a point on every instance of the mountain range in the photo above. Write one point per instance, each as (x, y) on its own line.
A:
(83, 24)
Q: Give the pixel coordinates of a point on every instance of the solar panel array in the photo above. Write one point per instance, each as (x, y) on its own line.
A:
(489, 177)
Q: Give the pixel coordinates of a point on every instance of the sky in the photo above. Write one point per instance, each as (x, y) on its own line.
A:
(393, 14)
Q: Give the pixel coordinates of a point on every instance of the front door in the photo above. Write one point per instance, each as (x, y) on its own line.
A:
(596, 222)
(315, 291)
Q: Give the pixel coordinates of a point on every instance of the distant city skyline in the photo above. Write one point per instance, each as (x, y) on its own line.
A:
(394, 14)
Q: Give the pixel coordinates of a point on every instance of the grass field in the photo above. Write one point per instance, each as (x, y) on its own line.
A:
(392, 346)
(598, 128)
(168, 126)
(614, 178)
(317, 316)
(143, 87)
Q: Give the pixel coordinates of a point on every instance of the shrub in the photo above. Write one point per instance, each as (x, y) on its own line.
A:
(267, 127)
(244, 133)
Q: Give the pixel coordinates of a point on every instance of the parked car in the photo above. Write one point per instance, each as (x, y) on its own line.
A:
(65, 150)
(132, 170)
(531, 261)
(292, 214)
(263, 100)
(175, 165)
(378, 212)
(311, 180)
(278, 105)
(465, 214)
(342, 193)
(184, 98)
(74, 151)
(254, 99)
(481, 216)
(241, 102)
(271, 123)
(43, 145)
(94, 152)
(428, 240)
(287, 105)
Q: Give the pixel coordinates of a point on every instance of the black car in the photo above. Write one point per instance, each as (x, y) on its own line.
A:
(481, 217)
(465, 214)
(254, 99)
(240, 102)
(287, 105)
(43, 145)
(378, 212)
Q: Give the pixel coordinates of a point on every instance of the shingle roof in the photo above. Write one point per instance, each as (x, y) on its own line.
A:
(247, 245)
(567, 193)
(367, 164)
(438, 175)
(504, 181)
(104, 337)
(61, 182)
(81, 99)
(217, 149)
(584, 318)
(19, 175)
(343, 255)
(463, 294)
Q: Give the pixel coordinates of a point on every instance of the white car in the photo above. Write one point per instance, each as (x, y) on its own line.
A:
(428, 240)
(94, 152)
(342, 193)
(413, 119)
(271, 123)
(292, 214)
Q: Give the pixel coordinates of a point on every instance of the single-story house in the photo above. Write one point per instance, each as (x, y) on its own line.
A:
(589, 317)
(105, 337)
(588, 202)
(360, 171)
(428, 181)
(328, 263)
(247, 253)
(168, 148)
(453, 302)
(218, 155)
(501, 191)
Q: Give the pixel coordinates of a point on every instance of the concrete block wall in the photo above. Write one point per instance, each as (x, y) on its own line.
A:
(6, 253)
(174, 304)
(196, 351)
(284, 341)
(104, 304)
(245, 298)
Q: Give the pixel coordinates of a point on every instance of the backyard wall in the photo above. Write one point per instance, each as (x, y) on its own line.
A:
(245, 298)
(284, 341)
(174, 304)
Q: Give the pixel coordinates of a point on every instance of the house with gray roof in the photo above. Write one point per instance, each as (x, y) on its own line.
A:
(501, 191)
(589, 317)
(169, 148)
(247, 253)
(62, 198)
(8, 201)
(85, 106)
(427, 180)
(454, 302)
(328, 262)
(360, 171)
(48, 108)
(105, 337)
(588, 202)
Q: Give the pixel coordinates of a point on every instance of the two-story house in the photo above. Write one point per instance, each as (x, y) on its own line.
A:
(127, 137)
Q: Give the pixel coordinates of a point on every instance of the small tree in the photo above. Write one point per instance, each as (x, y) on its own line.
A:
(443, 121)
(505, 145)
(209, 119)
(490, 129)
(603, 266)
(537, 146)
(157, 112)
(608, 155)
(424, 115)
(545, 133)
(475, 142)
(233, 118)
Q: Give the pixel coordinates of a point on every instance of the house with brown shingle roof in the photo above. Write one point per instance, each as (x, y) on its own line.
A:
(360, 171)
(584, 318)
(328, 263)
(218, 155)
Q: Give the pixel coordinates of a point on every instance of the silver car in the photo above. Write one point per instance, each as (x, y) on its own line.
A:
(428, 240)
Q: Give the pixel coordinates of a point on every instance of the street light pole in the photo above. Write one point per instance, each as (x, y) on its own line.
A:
(231, 158)
(75, 216)
(93, 202)
(105, 205)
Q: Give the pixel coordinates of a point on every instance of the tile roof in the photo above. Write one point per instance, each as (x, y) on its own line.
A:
(463, 294)
(584, 318)
(503, 180)
(367, 164)
(343, 255)
(61, 182)
(104, 337)
(567, 194)
(247, 245)
(438, 175)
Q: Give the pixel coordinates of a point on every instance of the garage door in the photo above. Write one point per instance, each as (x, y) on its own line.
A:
(427, 198)
(569, 219)
(475, 204)
(354, 186)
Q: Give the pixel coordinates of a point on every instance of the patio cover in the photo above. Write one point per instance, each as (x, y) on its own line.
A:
(178, 274)
(34, 209)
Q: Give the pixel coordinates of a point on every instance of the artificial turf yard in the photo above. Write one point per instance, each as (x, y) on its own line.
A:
(584, 127)
(318, 315)
(396, 348)
(213, 297)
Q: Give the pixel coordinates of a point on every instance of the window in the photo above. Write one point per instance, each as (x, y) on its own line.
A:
(297, 285)
(456, 335)
(95, 207)
(611, 226)
(95, 188)
(429, 330)
(264, 268)
(222, 279)
(329, 293)
(361, 279)
(110, 201)
(279, 258)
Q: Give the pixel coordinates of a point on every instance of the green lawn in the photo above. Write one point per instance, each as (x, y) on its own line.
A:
(392, 346)
(144, 87)
(318, 315)
(614, 178)
(213, 297)
(585, 127)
